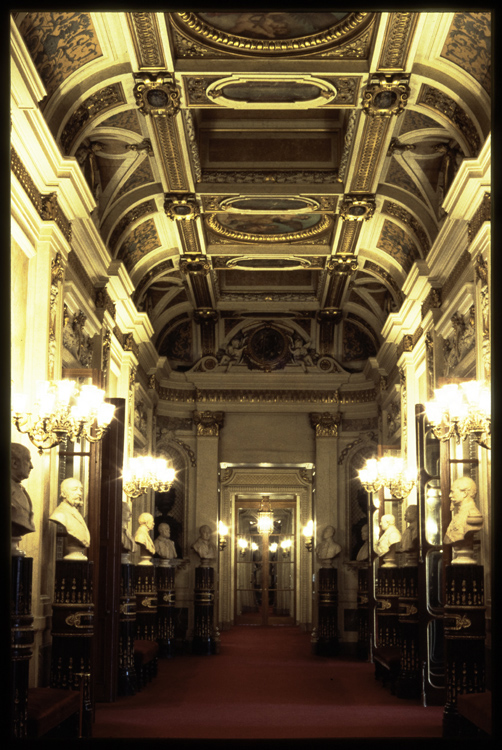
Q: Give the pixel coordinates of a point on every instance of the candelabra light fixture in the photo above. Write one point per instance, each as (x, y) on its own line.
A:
(308, 533)
(286, 547)
(145, 473)
(222, 535)
(265, 522)
(243, 545)
(389, 472)
(62, 409)
(461, 409)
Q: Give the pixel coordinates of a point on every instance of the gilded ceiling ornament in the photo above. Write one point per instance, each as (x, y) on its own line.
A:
(386, 95)
(146, 39)
(205, 315)
(262, 33)
(324, 223)
(394, 146)
(158, 96)
(399, 36)
(195, 264)
(357, 207)
(342, 263)
(145, 145)
(181, 207)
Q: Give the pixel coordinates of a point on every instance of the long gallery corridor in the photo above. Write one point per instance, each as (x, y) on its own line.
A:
(265, 684)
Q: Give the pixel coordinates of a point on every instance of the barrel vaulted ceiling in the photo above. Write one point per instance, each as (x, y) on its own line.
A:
(266, 177)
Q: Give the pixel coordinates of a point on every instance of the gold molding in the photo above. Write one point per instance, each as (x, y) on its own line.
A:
(181, 207)
(47, 206)
(373, 137)
(208, 423)
(334, 36)
(397, 42)
(146, 39)
(170, 150)
(325, 424)
(348, 238)
(386, 95)
(213, 223)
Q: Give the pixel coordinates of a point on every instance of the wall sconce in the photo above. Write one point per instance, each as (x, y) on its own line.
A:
(243, 545)
(222, 535)
(273, 547)
(265, 522)
(308, 533)
(62, 409)
(461, 409)
(389, 472)
(286, 547)
(147, 473)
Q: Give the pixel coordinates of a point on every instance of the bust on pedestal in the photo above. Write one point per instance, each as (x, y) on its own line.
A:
(128, 543)
(143, 539)
(386, 544)
(363, 552)
(70, 518)
(204, 547)
(466, 521)
(409, 539)
(327, 549)
(22, 521)
(164, 545)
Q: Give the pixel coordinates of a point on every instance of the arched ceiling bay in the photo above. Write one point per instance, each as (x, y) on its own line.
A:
(266, 170)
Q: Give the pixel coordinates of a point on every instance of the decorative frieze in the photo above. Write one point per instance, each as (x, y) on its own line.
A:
(398, 38)
(482, 214)
(146, 38)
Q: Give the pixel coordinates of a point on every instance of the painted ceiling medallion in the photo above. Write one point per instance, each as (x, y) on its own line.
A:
(181, 207)
(259, 92)
(157, 97)
(386, 95)
(274, 32)
(268, 205)
(268, 227)
(357, 207)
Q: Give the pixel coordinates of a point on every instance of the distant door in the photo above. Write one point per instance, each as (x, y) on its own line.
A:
(265, 566)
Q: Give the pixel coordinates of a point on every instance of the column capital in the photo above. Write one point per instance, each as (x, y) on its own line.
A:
(325, 424)
(208, 422)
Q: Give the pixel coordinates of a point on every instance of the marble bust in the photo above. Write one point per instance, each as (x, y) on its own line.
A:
(327, 549)
(386, 543)
(22, 519)
(363, 552)
(204, 547)
(164, 545)
(143, 539)
(466, 520)
(68, 515)
(128, 543)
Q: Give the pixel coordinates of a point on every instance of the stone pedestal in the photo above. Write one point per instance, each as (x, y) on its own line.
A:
(204, 641)
(72, 632)
(146, 603)
(127, 681)
(409, 680)
(363, 634)
(22, 638)
(327, 628)
(387, 607)
(464, 631)
(166, 603)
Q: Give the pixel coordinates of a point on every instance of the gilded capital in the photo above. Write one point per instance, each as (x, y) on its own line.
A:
(325, 424)
(208, 422)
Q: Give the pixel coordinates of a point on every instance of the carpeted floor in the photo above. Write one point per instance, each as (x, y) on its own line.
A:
(265, 684)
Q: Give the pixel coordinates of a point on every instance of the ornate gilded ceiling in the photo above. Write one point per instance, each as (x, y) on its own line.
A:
(267, 179)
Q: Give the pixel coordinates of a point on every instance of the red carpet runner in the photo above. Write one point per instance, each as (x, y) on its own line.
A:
(265, 684)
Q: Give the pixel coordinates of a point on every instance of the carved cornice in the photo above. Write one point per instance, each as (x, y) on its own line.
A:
(432, 301)
(483, 213)
(146, 39)
(325, 424)
(103, 301)
(398, 38)
(46, 206)
(208, 423)
(441, 103)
